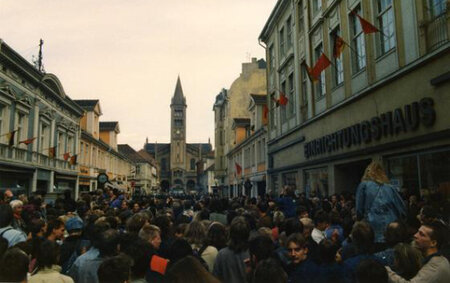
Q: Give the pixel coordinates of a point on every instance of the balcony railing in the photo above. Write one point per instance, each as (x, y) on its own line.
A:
(437, 31)
(21, 155)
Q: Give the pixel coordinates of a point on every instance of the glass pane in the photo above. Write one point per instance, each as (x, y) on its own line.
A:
(435, 172)
(316, 182)
(403, 173)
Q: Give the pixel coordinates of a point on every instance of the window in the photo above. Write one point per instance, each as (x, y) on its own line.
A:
(289, 33)
(272, 112)
(271, 59)
(290, 179)
(253, 157)
(282, 43)
(358, 57)
(21, 127)
(60, 146)
(437, 7)
(178, 113)
(386, 24)
(320, 86)
(263, 150)
(2, 119)
(317, 6)
(44, 139)
(192, 164)
(178, 122)
(290, 96)
(283, 108)
(316, 182)
(86, 152)
(304, 86)
(301, 17)
(82, 152)
(338, 70)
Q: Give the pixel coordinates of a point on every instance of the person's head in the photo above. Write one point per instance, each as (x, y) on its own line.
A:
(6, 215)
(427, 214)
(269, 271)
(115, 270)
(308, 226)
(37, 227)
(55, 230)
(322, 220)
(363, 236)
(327, 251)
(195, 233)
(217, 235)
(74, 225)
(141, 252)
(278, 218)
(180, 248)
(17, 206)
(151, 234)
(165, 224)
(136, 222)
(375, 172)
(109, 243)
(371, 271)
(136, 207)
(407, 260)
(124, 204)
(189, 270)
(293, 225)
(260, 248)
(396, 232)
(263, 207)
(14, 266)
(239, 233)
(302, 212)
(430, 237)
(297, 249)
(48, 254)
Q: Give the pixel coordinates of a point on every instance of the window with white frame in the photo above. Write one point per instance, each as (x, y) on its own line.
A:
(21, 127)
(289, 32)
(320, 86)
(69, 148)
(301, 17)
(61, 145)
(2, 119)
(44, 138)
(338, 69)
(290, 96)
(282, 42)
(358, 44)
(386, 23)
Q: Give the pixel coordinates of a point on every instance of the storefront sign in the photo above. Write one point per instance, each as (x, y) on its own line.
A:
(387, 124)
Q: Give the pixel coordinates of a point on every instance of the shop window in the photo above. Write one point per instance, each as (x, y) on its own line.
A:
(290, 179)
(316, 182)
(434, 173)
(403, 173)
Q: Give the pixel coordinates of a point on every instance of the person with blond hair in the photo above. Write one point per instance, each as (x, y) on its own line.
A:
(378, 202)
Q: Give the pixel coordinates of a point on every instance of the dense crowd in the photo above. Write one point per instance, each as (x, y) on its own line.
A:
(375, 235)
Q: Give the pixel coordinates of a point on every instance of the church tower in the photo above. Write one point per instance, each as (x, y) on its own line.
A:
(178, 135)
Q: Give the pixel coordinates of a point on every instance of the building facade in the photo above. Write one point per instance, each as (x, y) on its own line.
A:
(98, 151)
(384, 98)
(233, 104)
(39, 125)
(178, 159)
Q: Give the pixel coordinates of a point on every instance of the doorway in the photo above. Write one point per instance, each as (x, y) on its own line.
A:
(348, 175)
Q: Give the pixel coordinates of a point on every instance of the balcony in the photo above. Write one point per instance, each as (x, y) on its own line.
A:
(437, 31)
(23, 156)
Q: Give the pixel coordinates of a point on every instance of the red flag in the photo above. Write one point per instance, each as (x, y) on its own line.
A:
(158, 264)
(283, 99)
(66, 156)
(265, 114)
(365, 25)
(10, 137)
(308, 71)
(322, 63)
(52, 152)
(73, 160)
(28, 141)
(339, 45)
(238, 168)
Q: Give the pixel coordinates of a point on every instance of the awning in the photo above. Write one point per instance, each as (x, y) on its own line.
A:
(258, 178)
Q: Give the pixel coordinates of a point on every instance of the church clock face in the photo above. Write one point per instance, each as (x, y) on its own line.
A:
(178, 132)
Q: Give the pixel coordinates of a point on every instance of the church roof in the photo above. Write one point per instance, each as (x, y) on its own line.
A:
(206, 147)
(178, 96)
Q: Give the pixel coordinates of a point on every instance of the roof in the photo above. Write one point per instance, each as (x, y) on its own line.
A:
(147, 156)
(150, 147)
(109, 126)
(259, 98)
(87, 104)
(178, 96)
(206, 147)
(272, 20)
(130, 153)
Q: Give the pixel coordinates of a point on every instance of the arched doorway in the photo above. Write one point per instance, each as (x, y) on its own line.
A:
(178, 183)
(165, 185)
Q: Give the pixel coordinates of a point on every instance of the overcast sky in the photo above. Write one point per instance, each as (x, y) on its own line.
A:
(128, 54)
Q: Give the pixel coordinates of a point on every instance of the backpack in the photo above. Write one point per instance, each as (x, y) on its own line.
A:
(197, 253)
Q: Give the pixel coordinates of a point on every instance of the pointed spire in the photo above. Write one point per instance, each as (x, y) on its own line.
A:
(178, 96)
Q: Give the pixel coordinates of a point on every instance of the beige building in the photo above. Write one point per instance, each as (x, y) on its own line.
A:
(384, 98)
(98, 151)
(45, 123)
(233, 104)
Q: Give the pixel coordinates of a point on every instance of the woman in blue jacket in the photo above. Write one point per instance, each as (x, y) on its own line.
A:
(378, 202)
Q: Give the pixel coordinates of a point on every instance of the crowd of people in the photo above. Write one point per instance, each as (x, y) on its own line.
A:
(377, 234)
